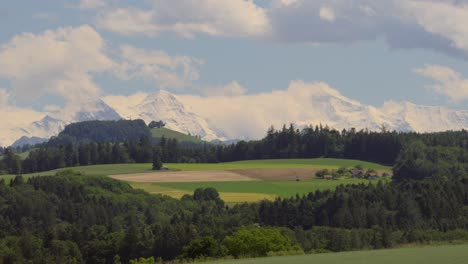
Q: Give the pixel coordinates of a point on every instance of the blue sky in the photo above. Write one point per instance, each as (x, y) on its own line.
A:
(370, 51)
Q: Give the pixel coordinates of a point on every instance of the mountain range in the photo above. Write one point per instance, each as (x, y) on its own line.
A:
(324, 106)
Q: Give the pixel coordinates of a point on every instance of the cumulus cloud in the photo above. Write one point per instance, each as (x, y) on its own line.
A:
(449, 82)
(432, 24)
(231, 89)
(91, 4)
(156, 65)
(443, 18)
(250, 115)
(404, 24)
(188, 17)
(13, 118)
(63, 63)
(327, 14)
(56, 62)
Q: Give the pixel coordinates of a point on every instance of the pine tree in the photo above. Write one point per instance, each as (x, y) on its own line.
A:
(157, 163)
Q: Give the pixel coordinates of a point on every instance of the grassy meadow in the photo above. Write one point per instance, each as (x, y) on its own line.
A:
(231, 192)
(274, 188)
(319, 163)
(447, 254)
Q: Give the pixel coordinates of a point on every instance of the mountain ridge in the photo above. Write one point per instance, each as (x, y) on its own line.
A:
(322, 106)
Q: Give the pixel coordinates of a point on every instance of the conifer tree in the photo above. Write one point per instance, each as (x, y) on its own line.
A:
(157, 163)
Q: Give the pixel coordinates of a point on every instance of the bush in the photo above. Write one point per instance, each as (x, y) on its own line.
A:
(257, 242)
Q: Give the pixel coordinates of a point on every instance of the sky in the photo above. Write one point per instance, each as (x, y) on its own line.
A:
(58, 52)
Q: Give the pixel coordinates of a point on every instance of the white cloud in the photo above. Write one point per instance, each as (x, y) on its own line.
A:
(165, 70)
(63, 63)
(449, 82)
(231, 89)
(56, 62)
(287, 2)
(92, 4)
(14, 117)
(189, 17)
(129, 21)
(404, 24)
(444, 18)
(248, 116)
(327, 14)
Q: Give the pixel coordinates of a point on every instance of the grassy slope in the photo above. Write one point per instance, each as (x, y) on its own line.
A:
(275, 188)
(168, 133)
(450, 254)
(232, 192)
(114, 169)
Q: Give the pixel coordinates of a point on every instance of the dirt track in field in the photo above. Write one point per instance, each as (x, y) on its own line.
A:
(219, 175)
(278, 174)
(185, 176)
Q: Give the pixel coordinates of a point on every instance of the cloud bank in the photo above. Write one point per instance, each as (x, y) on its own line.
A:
(65, 61)
(404, 24)
(448, 82)
(58, 62)
(187, 18)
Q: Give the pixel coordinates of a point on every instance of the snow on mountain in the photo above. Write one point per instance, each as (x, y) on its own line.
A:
(165, 106)
(407, 116)
(54, 122)
(251, 115)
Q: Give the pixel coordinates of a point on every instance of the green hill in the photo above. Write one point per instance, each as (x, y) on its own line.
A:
(168, 133)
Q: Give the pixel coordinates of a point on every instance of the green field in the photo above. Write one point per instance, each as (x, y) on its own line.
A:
(275, 188)
(449, 254)
(115, 169)
(168, 133)
(232, 192)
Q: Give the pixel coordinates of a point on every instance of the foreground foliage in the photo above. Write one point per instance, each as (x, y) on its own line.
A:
(71, 218)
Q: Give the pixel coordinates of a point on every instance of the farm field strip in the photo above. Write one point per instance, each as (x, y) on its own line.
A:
(128, 168)
(228, 197)
(272, 188)
(183, 176)
(447, 254)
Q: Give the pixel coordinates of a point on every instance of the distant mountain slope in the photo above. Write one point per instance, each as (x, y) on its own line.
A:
(167, 107)
(24, 140)
(54, 122)
(318, 105)
(169, 133)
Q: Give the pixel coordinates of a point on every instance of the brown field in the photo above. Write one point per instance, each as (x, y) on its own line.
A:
(278, 174)
(185, 176)
(220, 175)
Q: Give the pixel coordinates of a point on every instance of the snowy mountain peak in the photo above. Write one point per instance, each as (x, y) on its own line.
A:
(319, 105)
(165, 106)
(95, 110)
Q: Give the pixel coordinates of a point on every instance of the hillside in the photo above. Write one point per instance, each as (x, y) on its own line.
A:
(169, 133)
(189, 114)
(102, 131)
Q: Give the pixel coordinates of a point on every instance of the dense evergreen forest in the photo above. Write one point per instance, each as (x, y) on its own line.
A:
(72, 218)
(129, 141)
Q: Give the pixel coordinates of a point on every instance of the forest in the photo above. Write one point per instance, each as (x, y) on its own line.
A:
(129, 143)
(73, 218)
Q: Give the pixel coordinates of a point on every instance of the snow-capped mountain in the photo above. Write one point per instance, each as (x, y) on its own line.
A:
(316, 105)
(54, 122)
(165, 106)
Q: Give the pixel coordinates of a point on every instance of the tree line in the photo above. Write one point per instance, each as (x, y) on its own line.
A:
(383, 147)
(73, 218)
